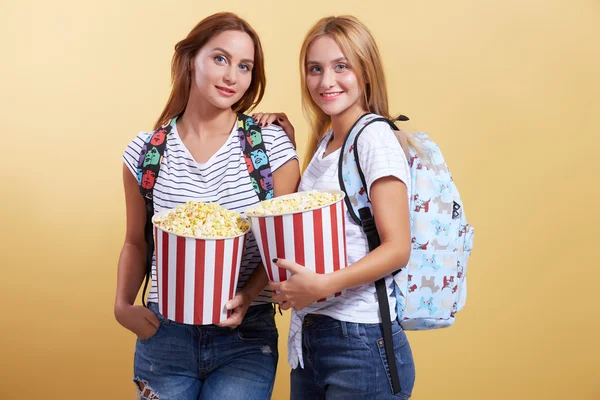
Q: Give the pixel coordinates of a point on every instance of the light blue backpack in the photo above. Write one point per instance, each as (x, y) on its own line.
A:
(433, 286)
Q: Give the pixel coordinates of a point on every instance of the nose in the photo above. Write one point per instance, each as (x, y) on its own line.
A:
(229, 76)
(327, 79)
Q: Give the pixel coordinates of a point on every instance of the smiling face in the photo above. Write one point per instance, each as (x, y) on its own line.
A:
(222, 69)
(331, 82)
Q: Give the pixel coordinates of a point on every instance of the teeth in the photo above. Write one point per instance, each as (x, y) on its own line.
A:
(330, 94)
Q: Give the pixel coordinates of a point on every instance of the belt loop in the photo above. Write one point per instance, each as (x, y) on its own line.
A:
(344, 329)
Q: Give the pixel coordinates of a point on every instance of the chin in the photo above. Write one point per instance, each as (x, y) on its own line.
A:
(223, 103)
(332, 110)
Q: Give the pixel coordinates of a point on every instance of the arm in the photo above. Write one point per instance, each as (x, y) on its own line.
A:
(390, 209)
(132, 264)
(385, 170)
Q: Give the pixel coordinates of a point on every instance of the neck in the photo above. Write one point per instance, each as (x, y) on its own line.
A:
(341, 123)
(203, 119)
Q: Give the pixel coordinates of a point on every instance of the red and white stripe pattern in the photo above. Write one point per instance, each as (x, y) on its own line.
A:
(315, 239)
(196, 277)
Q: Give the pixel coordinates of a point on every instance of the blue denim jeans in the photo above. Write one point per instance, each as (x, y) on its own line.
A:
(207, 362)
(344, 360)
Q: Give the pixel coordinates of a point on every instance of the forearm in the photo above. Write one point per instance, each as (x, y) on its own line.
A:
(382, 261)
(256, 283)
(131, 273)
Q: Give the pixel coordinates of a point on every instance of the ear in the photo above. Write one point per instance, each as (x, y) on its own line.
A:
(190, 62)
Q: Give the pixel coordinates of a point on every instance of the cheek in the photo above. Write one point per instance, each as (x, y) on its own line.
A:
(245, 79)
(313, 84)
(348, 82)
(243, 84)
(203, 71)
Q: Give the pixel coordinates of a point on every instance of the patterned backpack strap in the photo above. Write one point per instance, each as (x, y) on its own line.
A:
(255, 154)
(148, 168)
(351, 178)
(151, 158)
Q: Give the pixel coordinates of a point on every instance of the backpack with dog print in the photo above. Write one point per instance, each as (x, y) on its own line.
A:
(432, 288)
(255, 155)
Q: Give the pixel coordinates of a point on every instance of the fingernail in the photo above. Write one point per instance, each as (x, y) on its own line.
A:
(228, 306)
(275, 260)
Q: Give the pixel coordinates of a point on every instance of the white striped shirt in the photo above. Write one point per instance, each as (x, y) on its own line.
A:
(223, 179)
(380, 155)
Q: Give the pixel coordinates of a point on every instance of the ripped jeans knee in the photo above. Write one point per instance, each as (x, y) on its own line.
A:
(145, 392)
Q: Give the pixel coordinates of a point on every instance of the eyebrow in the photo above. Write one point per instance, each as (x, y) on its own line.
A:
(333, 61)
(228, 54)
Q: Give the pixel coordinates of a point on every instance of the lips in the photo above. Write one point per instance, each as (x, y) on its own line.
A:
(225, 91)
(330, 96)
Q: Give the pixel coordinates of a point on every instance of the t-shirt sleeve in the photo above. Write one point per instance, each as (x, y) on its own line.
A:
(381, 155)
(278, 145)
(131, 156)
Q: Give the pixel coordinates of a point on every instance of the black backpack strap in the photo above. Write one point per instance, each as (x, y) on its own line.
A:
(368, 225)
(256, 157)
(148, 169)
(367, 221)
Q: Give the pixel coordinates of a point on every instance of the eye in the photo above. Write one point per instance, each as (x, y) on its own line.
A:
(244, 67)
(315, 69)
(340, 67)
(220, 59)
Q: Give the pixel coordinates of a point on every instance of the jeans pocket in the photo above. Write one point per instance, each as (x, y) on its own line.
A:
(404, 362)
(155, 334)
(161, 322)
(154, 308)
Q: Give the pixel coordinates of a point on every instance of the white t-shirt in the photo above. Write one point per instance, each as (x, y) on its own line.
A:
(223, 179)
(380, 155)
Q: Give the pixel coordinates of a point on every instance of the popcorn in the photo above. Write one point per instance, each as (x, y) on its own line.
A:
(202, 220)
(296, 202)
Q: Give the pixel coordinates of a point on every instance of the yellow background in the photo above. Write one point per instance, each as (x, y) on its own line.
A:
(509, 89)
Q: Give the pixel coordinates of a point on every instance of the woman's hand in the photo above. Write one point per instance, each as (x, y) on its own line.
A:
(138, 319)
(302, 289)
(266, 119)
(239, 306)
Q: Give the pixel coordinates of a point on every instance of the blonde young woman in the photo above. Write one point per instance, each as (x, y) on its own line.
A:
(335, 347)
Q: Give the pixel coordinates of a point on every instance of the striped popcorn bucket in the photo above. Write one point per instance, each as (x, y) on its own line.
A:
(315, 239)
(196, 277)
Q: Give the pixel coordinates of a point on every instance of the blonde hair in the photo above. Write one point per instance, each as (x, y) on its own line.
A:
(359, 47)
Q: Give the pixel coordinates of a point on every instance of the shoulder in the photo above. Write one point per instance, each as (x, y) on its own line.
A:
(277, 142)
(135, 146)
(378, 133)
(272, 131)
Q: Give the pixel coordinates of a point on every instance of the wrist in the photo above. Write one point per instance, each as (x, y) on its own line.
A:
(247, 295)
(328, 285)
